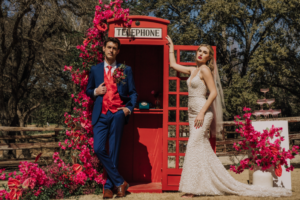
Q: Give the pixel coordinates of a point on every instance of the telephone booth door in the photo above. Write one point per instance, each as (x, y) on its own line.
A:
(175, 119)
(144, 48)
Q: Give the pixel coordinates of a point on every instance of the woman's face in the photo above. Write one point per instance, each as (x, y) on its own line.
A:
(203, 55)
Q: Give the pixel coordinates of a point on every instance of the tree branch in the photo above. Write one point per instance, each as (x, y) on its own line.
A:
(15, 36)
(2, 22)
(51, 48)
(266, 32)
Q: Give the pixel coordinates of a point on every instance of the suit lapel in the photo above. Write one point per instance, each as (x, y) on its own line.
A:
(101, 72)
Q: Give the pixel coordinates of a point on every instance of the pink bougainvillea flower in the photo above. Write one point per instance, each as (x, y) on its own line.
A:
(68, 68)
(77, 168)
(263, 152)
(37, 193)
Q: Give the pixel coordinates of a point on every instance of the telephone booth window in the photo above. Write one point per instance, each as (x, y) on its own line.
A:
(172, 115)
(172, 131)
(184, 131)
(172, 85)
(172, 100)
(181, 160)
(183, 86)
(187, 56)
(183, 101)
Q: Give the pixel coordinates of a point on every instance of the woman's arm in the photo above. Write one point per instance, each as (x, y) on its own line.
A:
(209, 81)
(173, 64)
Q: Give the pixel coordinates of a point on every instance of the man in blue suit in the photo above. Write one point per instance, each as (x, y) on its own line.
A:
(114, 102)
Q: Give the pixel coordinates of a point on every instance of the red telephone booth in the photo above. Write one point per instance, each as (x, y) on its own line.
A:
(154, 142)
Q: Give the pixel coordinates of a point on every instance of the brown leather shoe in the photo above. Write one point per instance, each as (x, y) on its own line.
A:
(108, 194)
(121, 190)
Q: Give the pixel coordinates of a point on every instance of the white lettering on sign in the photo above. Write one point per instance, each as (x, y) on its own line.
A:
(138, 32)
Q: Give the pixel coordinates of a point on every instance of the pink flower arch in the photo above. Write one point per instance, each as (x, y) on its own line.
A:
(31, 177)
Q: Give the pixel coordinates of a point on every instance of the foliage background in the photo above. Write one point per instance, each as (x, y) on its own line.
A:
(257, 47)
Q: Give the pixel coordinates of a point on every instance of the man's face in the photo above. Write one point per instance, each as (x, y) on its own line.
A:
(111, 50)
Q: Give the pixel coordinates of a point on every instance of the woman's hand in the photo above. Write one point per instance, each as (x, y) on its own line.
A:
(169, 40)
(199, 120)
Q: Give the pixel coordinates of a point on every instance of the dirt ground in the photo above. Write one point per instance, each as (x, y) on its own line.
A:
(243, 177)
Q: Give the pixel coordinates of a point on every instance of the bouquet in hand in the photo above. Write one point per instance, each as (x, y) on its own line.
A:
(119, 74)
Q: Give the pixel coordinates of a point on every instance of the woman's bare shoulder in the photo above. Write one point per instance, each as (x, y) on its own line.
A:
(204, 69)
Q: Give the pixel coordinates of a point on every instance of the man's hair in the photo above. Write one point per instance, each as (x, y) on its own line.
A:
(114, 40)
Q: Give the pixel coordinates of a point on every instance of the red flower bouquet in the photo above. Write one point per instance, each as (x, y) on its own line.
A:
(263, 153)
(119, 74)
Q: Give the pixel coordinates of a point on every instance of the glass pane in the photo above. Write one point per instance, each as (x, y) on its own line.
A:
(172, 85)
(175, 53)
(171, 161)
(185, 75)
(181, 160)
(184, 131)
(183, 86)
(172, 115)
(183, 116)
(182, 146)
(183, 101)
(172, 131)
(172, 146)
(187, 56)
(172, 72)
(172, 100)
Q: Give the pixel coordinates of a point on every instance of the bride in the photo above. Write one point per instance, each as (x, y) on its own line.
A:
(203, 173)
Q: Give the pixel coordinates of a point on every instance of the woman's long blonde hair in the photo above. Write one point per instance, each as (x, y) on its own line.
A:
(218, 104)
(210, 62)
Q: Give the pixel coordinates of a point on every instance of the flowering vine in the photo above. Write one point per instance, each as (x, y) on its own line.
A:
(262, 152)
(31, 180)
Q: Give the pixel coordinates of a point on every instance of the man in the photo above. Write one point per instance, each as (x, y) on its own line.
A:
(113, 105)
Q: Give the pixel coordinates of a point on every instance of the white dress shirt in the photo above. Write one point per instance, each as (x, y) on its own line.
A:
(113, 68)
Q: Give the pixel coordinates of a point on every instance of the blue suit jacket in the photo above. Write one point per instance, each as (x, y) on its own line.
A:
(126, 91)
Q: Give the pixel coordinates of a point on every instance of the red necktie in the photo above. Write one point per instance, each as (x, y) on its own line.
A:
(109, 72)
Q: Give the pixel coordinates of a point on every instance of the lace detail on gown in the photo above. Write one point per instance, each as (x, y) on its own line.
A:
(203, 173)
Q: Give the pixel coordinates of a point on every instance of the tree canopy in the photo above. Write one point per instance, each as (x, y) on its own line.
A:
(36, 36)
(257, 45)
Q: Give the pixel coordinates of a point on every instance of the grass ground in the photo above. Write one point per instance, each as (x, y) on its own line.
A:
(243, 177)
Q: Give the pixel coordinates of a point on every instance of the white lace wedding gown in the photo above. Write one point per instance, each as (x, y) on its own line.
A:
(203, 172)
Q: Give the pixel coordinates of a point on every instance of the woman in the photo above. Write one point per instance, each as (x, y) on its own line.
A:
(203, 173)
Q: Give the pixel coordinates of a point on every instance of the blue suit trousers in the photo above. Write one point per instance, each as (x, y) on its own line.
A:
(109, 127)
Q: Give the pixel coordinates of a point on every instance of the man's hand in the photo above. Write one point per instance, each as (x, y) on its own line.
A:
(125, 110)
(101, 89)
